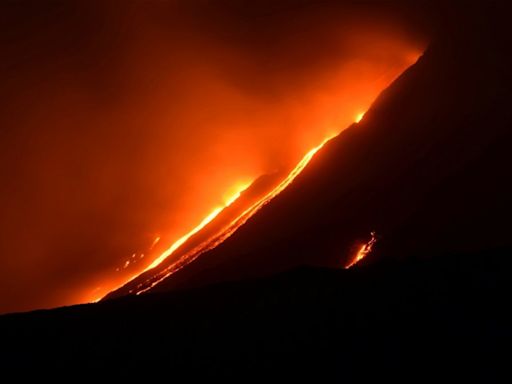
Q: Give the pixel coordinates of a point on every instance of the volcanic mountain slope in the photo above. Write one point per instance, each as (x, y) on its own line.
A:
(427, 169)
(205, 236)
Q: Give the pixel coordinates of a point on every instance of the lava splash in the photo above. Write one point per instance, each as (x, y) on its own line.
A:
(364, 251)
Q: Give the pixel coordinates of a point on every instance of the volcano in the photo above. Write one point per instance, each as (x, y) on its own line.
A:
(425, 170)
(419, 187)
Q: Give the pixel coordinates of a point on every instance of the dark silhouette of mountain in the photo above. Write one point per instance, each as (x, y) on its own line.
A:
(435, 319)
(427, 169)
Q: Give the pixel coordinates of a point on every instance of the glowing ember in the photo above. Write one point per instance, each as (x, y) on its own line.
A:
(155, 242)
(359, 117)
(363, 251)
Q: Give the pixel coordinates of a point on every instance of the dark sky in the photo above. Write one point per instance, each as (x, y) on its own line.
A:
(121, 121)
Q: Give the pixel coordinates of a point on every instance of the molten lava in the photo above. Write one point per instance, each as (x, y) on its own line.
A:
(201, 225)
(220, 225)
(184, 238)
(363, 251)
(224, 234)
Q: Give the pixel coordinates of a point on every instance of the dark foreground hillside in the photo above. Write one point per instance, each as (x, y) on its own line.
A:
(428, 169)
(446, 317)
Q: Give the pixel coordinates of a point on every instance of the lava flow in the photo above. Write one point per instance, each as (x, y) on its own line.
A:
(363, 251)
(203, 223)
(152, 275)
(220, 225)
(224, 234)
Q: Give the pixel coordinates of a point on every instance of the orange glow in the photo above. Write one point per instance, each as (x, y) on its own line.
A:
(363, 251)
(359, 117)
(201, 225)
(155, 242)
(216, 240)
(233, 196)
(229, 199)
(287, 181)
(184, 238)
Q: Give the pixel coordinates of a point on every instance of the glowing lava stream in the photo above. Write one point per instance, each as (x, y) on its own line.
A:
(224, 234)
(201, 225)
(181, 240)
(214, 241)
(227, 231)
(155, 272)
(363, 251)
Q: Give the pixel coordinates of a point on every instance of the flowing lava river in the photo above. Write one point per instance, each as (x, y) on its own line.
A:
(160, 270)
(172, 260)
